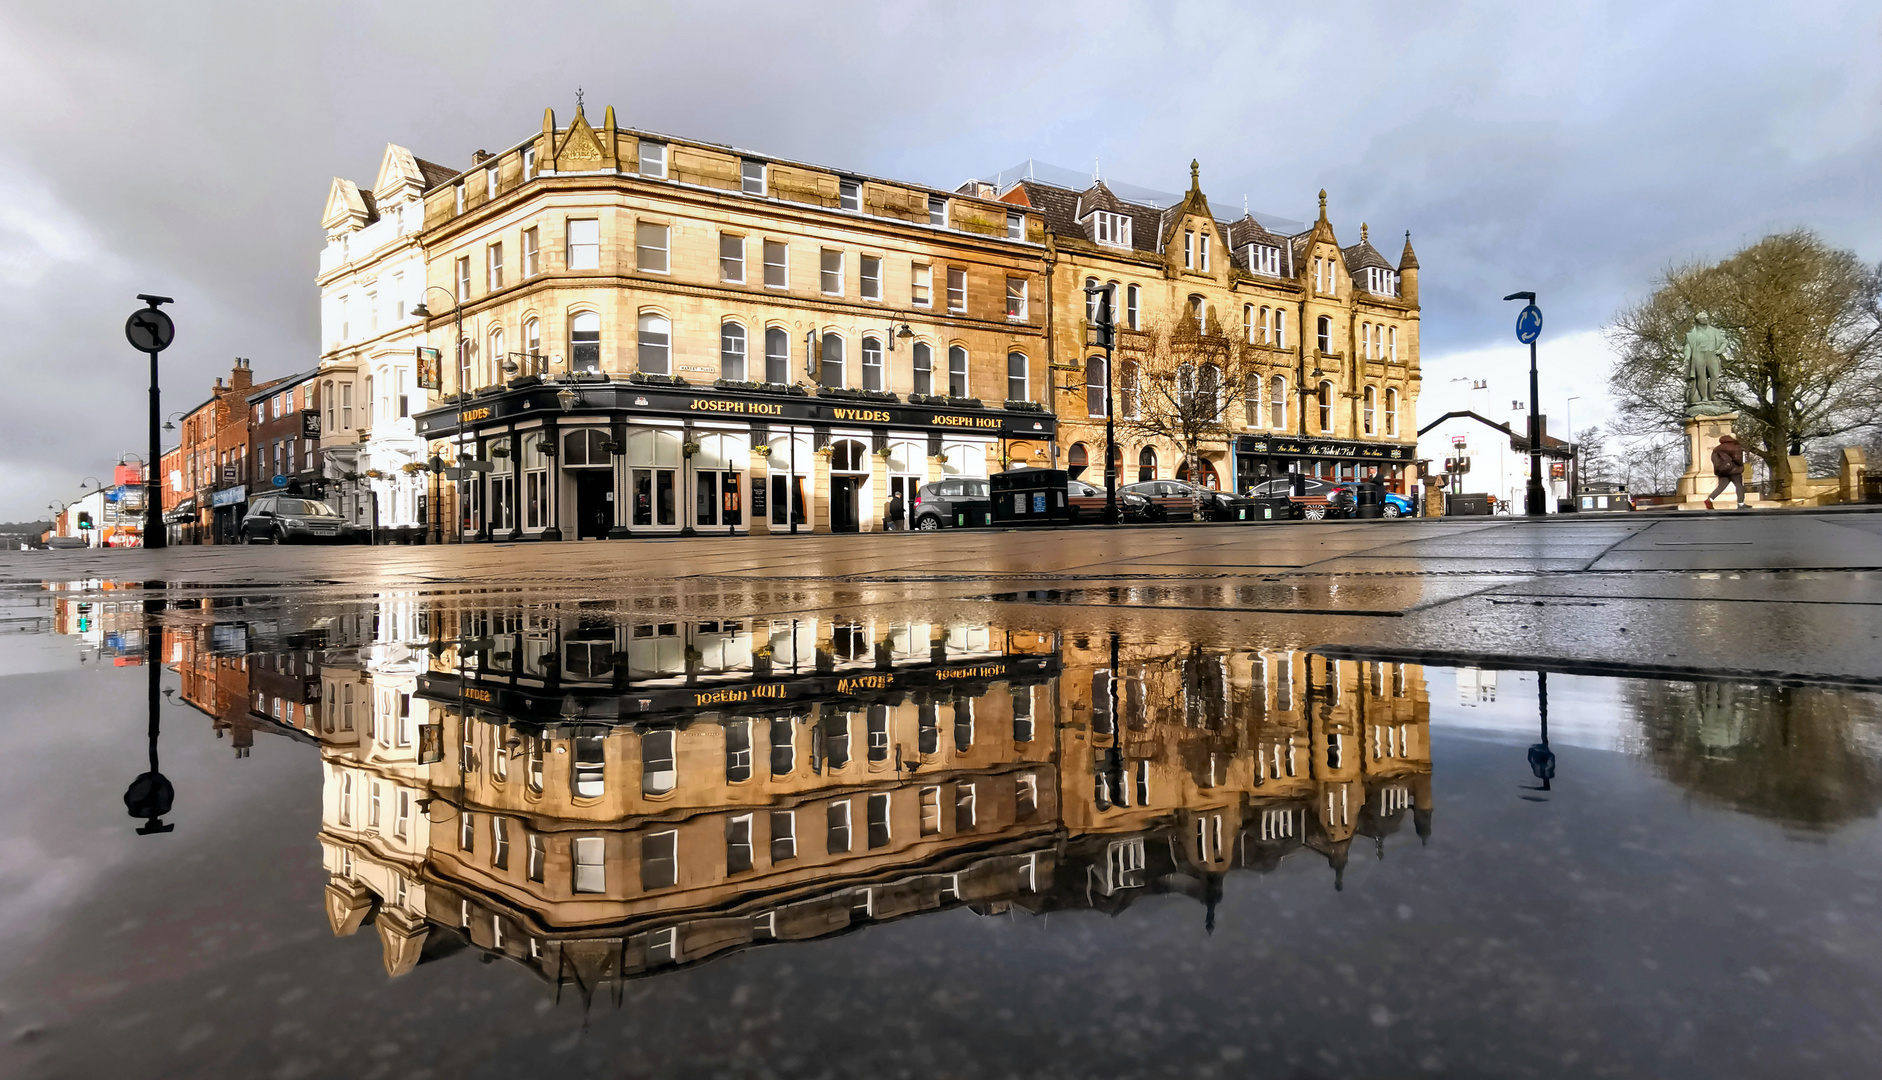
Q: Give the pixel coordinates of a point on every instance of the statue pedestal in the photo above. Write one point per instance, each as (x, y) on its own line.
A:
(1702, 435)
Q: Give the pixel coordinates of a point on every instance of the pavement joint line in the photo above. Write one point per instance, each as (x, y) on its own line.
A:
(1605, 668)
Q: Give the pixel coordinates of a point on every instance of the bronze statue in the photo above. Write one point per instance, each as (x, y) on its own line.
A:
(1705, 349)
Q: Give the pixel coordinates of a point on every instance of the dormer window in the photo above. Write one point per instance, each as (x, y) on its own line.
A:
(529, 162)
(1111, 230)
(849, 195)
(653, 159)
(1189, 249)
(490, 182)
(1381, 282)
(751, 177)
(1263, 259)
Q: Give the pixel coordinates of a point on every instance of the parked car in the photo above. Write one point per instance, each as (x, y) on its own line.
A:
(1087, 503)
(1396, 505)
(1313, 500)
(281, 519)
(941, 504)
(1177, 500)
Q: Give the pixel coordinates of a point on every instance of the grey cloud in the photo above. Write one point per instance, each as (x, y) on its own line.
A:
(187, 148)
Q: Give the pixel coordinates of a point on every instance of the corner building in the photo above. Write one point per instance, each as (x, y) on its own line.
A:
(652, 335)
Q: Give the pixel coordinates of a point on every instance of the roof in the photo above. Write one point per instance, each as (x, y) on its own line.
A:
(1550, 444)
(435, 173)
(268, 389)
(1363, 255)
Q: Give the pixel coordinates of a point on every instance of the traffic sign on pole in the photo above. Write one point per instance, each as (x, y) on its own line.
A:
(1529, 324)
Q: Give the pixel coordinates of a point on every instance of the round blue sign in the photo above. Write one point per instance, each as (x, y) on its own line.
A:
(1529, 324)
(280, 481)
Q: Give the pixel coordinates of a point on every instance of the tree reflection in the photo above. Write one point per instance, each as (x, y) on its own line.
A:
(1802, 756)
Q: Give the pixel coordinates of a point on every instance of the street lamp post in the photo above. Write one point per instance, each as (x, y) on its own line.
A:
(457, 318)
(150, 331)
(1533, 501)
(1107, 336)
(1574, 448)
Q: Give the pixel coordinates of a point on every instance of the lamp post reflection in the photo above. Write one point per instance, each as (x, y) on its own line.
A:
(150, 796)
(1541, 758)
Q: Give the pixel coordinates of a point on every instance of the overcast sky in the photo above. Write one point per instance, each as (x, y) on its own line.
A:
(186, 149)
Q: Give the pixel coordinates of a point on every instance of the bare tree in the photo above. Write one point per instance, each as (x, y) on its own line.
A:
(1805, 359)
(1183, 384)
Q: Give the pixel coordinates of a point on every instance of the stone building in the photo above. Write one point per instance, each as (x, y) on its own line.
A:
(284, 433)
(666, 336)
(1330, 332)
(372, 281)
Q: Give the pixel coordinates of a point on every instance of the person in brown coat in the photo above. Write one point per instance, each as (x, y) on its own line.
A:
(1728, 462)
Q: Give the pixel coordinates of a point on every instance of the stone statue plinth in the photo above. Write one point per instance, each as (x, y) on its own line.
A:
(1702, 434)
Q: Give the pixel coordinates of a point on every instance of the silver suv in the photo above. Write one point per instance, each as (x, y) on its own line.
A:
(281, 519)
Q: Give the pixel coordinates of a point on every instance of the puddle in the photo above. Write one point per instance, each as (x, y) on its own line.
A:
(475, 834)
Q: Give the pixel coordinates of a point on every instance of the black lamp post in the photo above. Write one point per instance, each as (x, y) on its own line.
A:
(1107, 337)
(151, 795)
(1534, 503)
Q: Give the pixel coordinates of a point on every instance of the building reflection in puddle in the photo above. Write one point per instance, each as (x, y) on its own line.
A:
(600, 799)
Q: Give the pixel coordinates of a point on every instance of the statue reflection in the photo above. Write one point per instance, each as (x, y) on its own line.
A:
(611, 799)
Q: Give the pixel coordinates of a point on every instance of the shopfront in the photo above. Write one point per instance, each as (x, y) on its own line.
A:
(596, 459)
(1259, 458)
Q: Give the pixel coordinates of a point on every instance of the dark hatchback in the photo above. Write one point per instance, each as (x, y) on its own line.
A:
(283, 519)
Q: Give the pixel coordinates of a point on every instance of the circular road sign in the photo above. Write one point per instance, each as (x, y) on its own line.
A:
(279, 481)
(1529, 324)
(149, 330)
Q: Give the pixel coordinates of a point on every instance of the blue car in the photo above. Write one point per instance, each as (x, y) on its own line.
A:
(1396, 505)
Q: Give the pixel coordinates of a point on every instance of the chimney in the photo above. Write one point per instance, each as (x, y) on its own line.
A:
(241, 378)
(480, 157)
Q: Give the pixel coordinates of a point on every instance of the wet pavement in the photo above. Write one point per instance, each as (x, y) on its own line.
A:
(1592, 798)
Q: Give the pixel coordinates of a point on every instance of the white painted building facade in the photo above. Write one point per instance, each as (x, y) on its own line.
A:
(1498, 457)
(371, 276)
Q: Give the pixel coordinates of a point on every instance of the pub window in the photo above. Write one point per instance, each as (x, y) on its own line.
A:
(732, 259)
(1280, 328)
(732, 352)
(783, 835)
(1326, 406)
(1324, 335)
(585, 342)
(1016, 298)
(650, 248)
(837, 822)
(929, 800)
(584, 244)
(737, 751)
(588, 774)
(957, 289)
(921, 285)
(1369, 408)
(777, 355)
(879, 819)
(872, 277)
(1017, 385)
(783, 746)
(924, 368)
(832, 273)
(1391, 411)
(872, 363)
(957, 371)
(1146, 464)
(830, 361)
(878, 724)
(591, 871)
(777, 265)
(660, 860)
(1130, 306)
(1094, 386)
(1277, 403)
(656, 345)
(1128, 398)
(738, 853)
(532, 253)
(658, 774)
(493, 270)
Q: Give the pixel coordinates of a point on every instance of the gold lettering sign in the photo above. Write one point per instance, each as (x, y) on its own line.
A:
(983, 671)
(469, 416)
(734, 695)
(750, 408)
(475, 694)
(864, 682)
(990, 422)
(879, 416)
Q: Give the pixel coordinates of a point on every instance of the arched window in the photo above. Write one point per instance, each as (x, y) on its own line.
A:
(830, 365)
(464, 383)
(849, 455)
(1368, 408)
(1199, 311)
(1277, 403)
(532, 341)
(1018, 385)
(1128, 399)
(656, 345)
(1326, 334)
(1077, 461)
(1091, 300)
(1094, 386)
(1185, 386)
(1248, 322)
(1131, 296)
(585, 341)
(1391, 411)
(923, 369)
(1326, 406)
(1267, 329)
(1146, 464)
(1365, 341)
(777, 355)
(1251, 402)
(586, 446)
(1280, 328)
(732, 351)
(494, 359)
(1391, 343)
(872, 363)
(957, 371)
(1210, 391)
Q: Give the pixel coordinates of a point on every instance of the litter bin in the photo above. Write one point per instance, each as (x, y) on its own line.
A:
(1029, 497)
(1479, 505)
(1368, 501)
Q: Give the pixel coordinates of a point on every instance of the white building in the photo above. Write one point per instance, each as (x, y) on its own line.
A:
(372, 274)
(1498, 459)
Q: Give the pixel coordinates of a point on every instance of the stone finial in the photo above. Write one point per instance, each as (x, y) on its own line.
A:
(1195, 172)
(548, 121)
(1362, 232)
(1323, 204)
(1408, 260)
(607, 119)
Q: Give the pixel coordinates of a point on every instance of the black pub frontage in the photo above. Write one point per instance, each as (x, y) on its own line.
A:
(1262, 457)
(586, 457)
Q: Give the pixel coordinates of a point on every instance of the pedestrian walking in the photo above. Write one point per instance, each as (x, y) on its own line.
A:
(897, 511)
(1728, 462)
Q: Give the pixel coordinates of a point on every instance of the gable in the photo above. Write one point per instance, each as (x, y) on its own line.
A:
(346, 207)
(399, 175)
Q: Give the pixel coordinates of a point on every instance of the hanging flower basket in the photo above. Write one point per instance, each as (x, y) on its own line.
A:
(689, 448)
(411, 467)
(941, 458)
(884, 453)
(826, 450)
(374, 474)
(762, 450)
